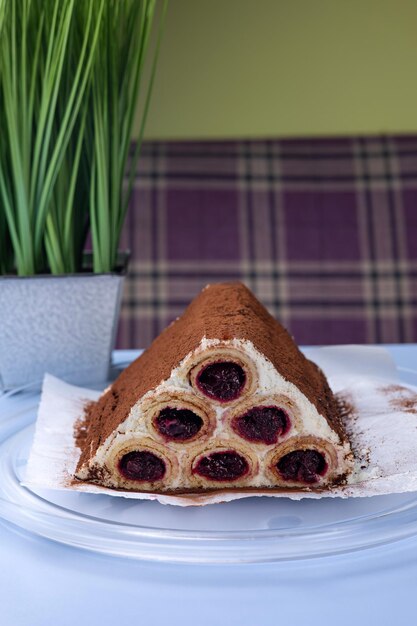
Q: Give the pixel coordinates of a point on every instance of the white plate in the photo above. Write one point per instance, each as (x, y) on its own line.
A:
(249, 530)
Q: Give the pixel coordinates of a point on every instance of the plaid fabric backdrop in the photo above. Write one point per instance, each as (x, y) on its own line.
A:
(323, 231)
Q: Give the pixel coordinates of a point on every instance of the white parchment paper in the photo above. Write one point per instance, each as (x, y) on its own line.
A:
(383, 432)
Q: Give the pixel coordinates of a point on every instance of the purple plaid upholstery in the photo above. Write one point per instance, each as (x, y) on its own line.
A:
(323, 231)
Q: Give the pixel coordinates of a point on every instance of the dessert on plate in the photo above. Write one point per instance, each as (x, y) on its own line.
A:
(222, 399)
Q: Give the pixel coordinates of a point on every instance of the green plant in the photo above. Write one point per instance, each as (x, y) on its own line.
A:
(70, 75)
(117, 77)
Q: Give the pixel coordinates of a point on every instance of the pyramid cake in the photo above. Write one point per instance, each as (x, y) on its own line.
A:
(222, 399)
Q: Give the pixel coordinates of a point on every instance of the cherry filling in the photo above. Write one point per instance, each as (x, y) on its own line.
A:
(304, 466)
(263, 424)
(178, 424)
(143, 465)
(222, 381)
(220, 466)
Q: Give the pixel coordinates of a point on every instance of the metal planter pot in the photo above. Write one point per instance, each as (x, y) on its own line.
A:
(63, 325)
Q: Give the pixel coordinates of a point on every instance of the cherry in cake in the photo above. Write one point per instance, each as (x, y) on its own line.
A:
(304, 466)
(264, 424)
(223, 381)
(223, 398)
(142, 465)
(227, 466)
(178, 424)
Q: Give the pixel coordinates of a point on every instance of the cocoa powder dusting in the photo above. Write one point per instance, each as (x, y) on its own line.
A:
(349, 415)
(401, 398)
(221, 311)
(347, 411)
(81, 426)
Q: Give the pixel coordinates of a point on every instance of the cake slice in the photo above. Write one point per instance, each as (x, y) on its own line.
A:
(222, 399)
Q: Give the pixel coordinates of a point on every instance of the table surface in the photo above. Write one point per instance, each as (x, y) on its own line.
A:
(44, 583)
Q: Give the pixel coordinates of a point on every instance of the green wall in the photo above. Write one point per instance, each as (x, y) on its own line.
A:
(233, 68)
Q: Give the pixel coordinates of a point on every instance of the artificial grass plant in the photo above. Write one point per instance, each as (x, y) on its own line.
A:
(71, 72)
